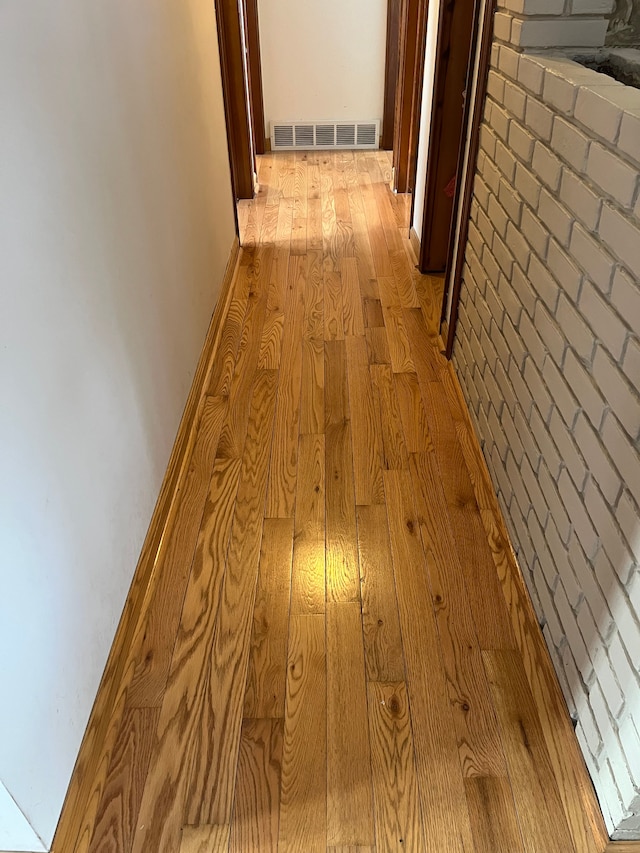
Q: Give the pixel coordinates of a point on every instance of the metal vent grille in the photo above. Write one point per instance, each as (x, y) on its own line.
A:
(282, 136)
(292, 135)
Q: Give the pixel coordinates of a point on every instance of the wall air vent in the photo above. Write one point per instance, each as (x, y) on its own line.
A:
(291, 135)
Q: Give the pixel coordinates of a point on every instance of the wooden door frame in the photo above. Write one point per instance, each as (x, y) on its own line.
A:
(411, 58)
(236, 107)
(254, 65)
(391, 68)
(464, 188)
(454, 46)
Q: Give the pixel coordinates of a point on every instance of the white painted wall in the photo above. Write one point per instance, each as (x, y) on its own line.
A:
(425, 115)
(116, 222)
(323, 61)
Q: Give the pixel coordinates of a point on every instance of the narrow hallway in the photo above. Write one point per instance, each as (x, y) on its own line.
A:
(337, 651)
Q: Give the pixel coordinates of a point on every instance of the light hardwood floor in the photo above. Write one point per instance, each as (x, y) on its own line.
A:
(337, 652)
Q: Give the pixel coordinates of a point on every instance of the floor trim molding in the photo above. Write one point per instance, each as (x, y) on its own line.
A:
(89, 773)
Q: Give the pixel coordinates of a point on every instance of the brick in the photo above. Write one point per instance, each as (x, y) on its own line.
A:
(604, 321)
(514, 342)
(591, 7)
(597, 460)
(497, 215)
(505, 160)
(570, 143)
(543, 439)
(576, 643)
(485, 227)
(499, 438)
(532, 340)
(475, 239)
(490, 358)
(609, 533)
(539, 119)
(499, 343)
(544, 284)
(562, 395)
(625, 295)
(518, 246)
(510, 298)
(534, 7)
(559, 90)
(580, 519)
(595, 110)
(631, 362)
(504, 484)
(543, 556)
(538, 389)
(487, 141)
(612, 174)
(592, 735)
(495, 306)
(502, 255)
(504, 384)
(555, 217)
(508, 61)
(629, 139)
(563, 268)
(550, 333)
(630, 738)
(483, 310)
(528, 185)
(582, 385)
(565, 440)
(511, 431)
(520, 494)
(622, 398)
(531, 449)
(531, 73)
(607, 680)
(535, 232)
(524, 290)
(574, 327)
(558, 32)
(580, 199)
(521, 141)
(622, 236)
(520, 387)
(480, 191)
(547, 166)
(511, 201)
(592, 257)
(495, 86)
(624, 453)
(628, 628)
(628, 517)
(556, 507)
(500, 122)
(515, 100)
(626, 674)
(586, 578)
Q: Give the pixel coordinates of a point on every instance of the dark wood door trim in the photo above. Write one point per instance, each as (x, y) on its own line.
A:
(235, 97)
(254, 64)
(455, 263)
(391, 68)
(413, 35)
(452, 61)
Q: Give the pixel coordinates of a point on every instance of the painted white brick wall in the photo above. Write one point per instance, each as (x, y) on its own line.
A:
(548, 353)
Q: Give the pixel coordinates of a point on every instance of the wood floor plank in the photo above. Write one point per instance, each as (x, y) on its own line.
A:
(367, 451)
(349, 785)
(351, 301)
(395, 783)
(308, 577)
(226, 354)
(312, 393)
(485, 594)
(256, 811)
(284, 456)
(211, 786)
(336, 398)
(162, 807)
(544, 827)
(382, 640)
(265, 692)
(118, 810)
(377, 240)
(444, 810)
(372, 309)
(205, 839)
(412, 413)
(156, 636)
(241, 387)
(303, 798)
(479, 743)
(271, 342)
(313, 296)
(493, 815)
(378, 345)
(343, 579)
(333, 308)
(394, 448)
(424, 352)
